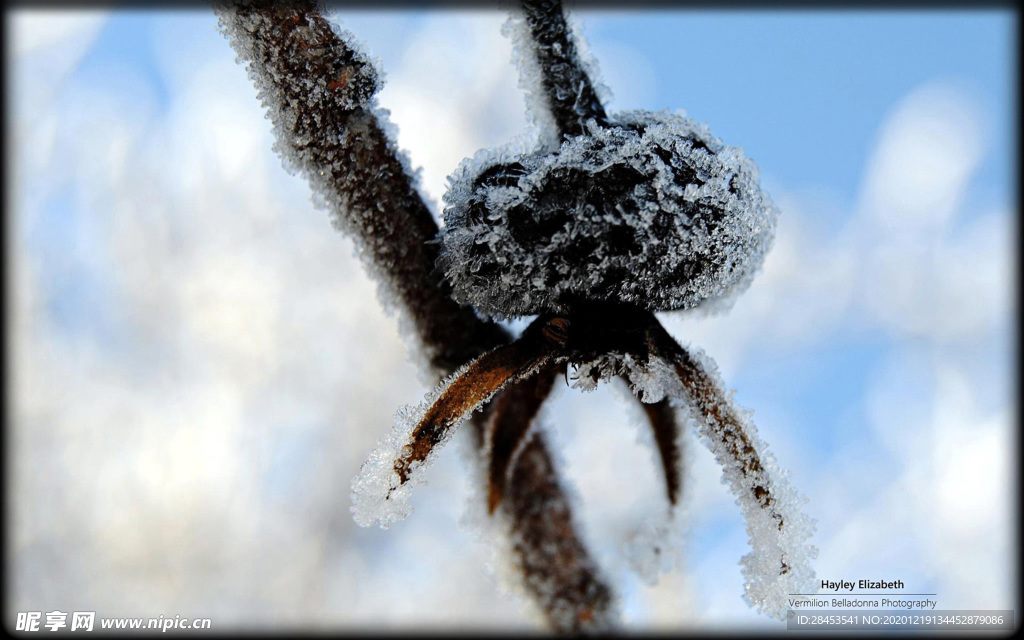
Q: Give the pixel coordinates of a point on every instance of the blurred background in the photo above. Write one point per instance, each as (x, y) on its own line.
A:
(197, 365)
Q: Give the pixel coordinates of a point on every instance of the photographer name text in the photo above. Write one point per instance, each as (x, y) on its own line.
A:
(849, 585)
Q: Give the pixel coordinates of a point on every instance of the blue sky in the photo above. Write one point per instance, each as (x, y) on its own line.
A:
(778, 81)
(805, 92)
(177, 297)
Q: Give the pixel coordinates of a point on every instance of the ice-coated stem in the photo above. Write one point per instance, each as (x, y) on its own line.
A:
(318, 90)
(556, 567)
(567, 89)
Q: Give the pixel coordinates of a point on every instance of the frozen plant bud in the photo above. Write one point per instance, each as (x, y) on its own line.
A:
(650, 210)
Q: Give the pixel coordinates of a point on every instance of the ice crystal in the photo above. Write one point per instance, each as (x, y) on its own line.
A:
(378, 495)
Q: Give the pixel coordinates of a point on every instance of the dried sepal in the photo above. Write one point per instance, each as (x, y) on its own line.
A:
(779, 563)
(470, 389)
(724, 425)
(380, 491)
(662, 417)
(512, 414)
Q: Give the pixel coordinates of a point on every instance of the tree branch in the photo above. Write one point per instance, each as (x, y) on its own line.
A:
(319, 92)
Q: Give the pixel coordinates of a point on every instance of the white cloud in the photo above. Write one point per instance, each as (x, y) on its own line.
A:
(928, 148)
(454, 93)
(64, 31)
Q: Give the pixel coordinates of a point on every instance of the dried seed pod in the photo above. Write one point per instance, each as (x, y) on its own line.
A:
(650, 211)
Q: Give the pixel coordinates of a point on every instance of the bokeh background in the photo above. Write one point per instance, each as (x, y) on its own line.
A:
(197, 365)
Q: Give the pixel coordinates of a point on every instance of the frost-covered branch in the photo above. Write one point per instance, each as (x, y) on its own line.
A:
(557, 569)
(567, 89)
(319, 90)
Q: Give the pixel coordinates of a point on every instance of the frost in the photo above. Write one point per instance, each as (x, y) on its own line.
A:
(378, 494)
(652, 381)
(587, 60)
(585, 376)
(651, 211)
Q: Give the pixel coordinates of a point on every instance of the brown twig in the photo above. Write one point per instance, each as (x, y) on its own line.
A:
(477, 383)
